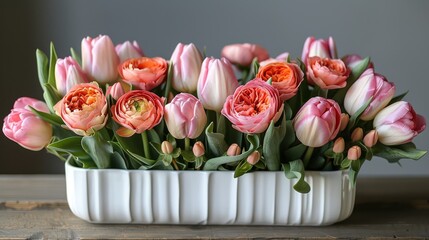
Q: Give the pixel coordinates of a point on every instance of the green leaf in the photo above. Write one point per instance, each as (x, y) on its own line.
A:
(287, 111)
(99, 149)
(242, 168)
(48, 117)
(52, 62)
(117, 159)
(355, 73)
(271, 144)
(169, 79)
(75, 56)
(398, 98)
(395, 153)
(188, 155)
(51, 96)
(42, 67)
(71, 145)
(216, 141)
(214, 163)
(346, 163)
(295, 169)
(139, 158)
(357, 114)
(295, 152)
(290, 135)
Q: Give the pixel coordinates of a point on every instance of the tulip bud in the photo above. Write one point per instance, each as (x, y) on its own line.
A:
(354, 153)
(372, 86)
(339, 145)
(344, 121)
(198, 149)
(398, 124)
(68, 74)
(117, 90)
(128, 50)
(185, 116)
(243, 54)
(216, 82)
(253, 158)
(186, 60)
(324, 48)
(233, 150)
(166, 147)
(99, 59)
(317, 122)
(370, 139)
(357, 134)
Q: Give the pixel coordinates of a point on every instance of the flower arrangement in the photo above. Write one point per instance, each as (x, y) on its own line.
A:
(113, 107)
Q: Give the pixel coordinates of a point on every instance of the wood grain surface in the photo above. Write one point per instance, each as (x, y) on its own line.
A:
(35, 207)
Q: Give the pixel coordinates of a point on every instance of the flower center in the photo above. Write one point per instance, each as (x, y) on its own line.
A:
(82, 98)
(251, 102)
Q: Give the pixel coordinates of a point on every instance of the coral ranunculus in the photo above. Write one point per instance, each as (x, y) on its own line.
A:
(137, 111)
(83, 109)
(286, 77)
(253, 106)
(24, 127)
(327, 73)
(144, 73)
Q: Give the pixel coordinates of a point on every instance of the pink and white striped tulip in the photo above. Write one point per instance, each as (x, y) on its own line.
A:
(68, 73)
(99, 59)
(187, 61)
(128, 50)
(24, 127)
(398, 123)
(185, 116)
(317, 122)
(324, 48)
(216, 82)
(369, 85)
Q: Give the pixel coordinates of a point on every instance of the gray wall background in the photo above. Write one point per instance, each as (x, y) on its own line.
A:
(394, 33)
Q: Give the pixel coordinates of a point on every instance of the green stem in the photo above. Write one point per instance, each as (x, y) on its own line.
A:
(187, 144)
(323, 93)
(169, 79)
(175, 164)
(145, 145)
(307, 156)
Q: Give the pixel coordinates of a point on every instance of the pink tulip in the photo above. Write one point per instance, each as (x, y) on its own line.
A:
(128, 50)
(117, 90)
(327, 73)
(216, 82)
(187, 62)
(83, 109)
(24, 127)
(317, 122)
(68, 74)
(353, 59)
(369, 85)
(253, 106)
(144, 73)
(99, 59)
(398, 123)
(244, 53)
(324, 48)
(137, 111)
(185, 116)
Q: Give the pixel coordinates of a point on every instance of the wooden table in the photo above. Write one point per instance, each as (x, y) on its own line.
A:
(35, 207)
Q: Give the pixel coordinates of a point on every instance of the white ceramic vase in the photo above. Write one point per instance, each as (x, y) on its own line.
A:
(206, 197)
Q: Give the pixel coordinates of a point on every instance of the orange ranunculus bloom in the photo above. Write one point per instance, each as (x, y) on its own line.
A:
(286, 77)
(327, 73)
(144, 73)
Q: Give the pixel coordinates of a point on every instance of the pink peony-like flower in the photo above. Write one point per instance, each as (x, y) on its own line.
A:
(398, 123)
(185, 116)
(286, 77)
(327, 73)
(317, 122)
(243, 53)
(99, 59)
(253, 106)
(83, 109)
(324, 48)
(144, 73)
(24, 127)
(187, 61)
(128, 50)
(137, 111)
(369, 85)
(216, 82)
(67, 74)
